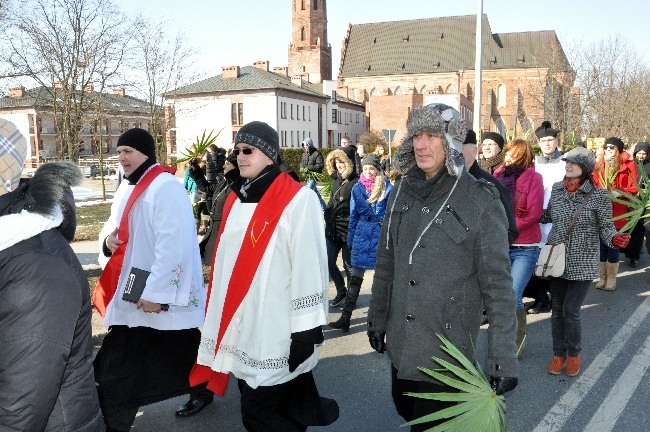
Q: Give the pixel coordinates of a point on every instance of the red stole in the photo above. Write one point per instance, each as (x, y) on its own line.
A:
(258, 234)
(107, 283)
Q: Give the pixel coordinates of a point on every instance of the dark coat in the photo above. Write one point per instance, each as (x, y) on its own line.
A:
(214, 165)
(365, 225)
(312, 161)
(337, 212)
(45, 336)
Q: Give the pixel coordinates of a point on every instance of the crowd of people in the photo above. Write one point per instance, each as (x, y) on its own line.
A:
(441, 201)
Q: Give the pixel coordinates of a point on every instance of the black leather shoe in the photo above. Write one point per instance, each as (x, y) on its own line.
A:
(191, 407)
(634, 263)
(337, 300)
(538, 309)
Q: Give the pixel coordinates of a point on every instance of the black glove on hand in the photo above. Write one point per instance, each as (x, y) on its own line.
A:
(377, 340)
(194, 164)
(502, 385)
(298, 353)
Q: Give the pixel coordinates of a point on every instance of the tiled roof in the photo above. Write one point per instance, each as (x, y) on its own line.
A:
(250, 78)
(41, 97)
(440, 45)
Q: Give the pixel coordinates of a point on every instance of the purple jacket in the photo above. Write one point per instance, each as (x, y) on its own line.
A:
(529, 195)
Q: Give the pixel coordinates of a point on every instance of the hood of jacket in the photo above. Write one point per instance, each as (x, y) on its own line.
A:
(330, 163)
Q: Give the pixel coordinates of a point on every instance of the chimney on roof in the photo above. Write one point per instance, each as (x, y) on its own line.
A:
(17, 92)
(284, 71)
(262, 64)
(230, 72)
(119, 92)
(89, 88)
(297, 81)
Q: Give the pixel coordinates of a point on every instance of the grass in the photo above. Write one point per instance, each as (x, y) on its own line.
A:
(90, 220)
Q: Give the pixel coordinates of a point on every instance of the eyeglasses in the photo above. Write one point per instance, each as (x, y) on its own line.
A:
(610, 147)
(245, 151)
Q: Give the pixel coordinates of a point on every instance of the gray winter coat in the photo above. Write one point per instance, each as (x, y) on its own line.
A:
(434, 272)
(583, 247)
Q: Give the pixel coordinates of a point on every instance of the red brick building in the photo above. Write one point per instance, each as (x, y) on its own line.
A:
(310, 55)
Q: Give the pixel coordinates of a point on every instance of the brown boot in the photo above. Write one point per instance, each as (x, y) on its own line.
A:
(612, 270)
(603, 276)
(521, 330)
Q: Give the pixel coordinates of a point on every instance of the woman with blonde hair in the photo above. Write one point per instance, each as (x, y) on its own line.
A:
(526, 188)
(367, 209)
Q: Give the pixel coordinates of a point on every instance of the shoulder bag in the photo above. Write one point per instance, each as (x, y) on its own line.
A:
(552, 257)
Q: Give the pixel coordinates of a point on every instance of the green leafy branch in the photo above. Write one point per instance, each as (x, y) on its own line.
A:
(199, 147)
(323, 179)
(478, 409)
(639, 205)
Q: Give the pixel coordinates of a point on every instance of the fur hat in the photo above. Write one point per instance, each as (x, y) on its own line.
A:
(262, 136)
(546, 130)
(581, 156)
(615, 141)
(371, 159)
(494, 136)
(342, 155)
(439, 120)
(13, 151)
(470, 138)
(139, 139)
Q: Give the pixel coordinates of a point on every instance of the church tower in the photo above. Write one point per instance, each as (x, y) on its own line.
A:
(310, 55)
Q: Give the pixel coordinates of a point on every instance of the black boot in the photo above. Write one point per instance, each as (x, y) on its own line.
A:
(343, 323)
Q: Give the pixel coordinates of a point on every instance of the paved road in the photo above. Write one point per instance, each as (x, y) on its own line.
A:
(610, 394)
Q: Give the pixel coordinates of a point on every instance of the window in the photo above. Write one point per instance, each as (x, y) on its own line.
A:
(292, 114)
(297, 112)
(315, 4)
(501, 126)
(237, 113)
(291, 138)
(501, 95)
(333, 116)
(283, 110)
(303, 113)
(302, 4)
(302, 34)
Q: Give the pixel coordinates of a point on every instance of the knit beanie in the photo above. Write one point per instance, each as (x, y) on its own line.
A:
(262, 136)
(13, 151)
(470, 138)
(615, 141)
(642, 146)
(139, 139)
(232, 158)
(371, 159)
(439, 120)
(546, 130)
(496, 137)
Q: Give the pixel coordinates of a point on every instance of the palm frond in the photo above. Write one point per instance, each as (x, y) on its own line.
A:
(199, 147)
(639, 204)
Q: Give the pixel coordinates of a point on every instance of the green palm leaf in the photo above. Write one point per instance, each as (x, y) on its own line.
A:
(199, 147)
(639, 204)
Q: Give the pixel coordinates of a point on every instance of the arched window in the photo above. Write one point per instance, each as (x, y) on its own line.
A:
(302, 34)
(451, 89)
(501, 95)
(501, 126)
(315, 4)
(399, 91)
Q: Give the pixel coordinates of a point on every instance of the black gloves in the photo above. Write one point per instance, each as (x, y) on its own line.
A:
(302, 346)
(502, 385)
(377, 340)
(194, 164)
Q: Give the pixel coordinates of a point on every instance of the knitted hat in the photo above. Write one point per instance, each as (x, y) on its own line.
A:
(262, 136)
(439, 120)
(496, 137)
(13, 151)
(470, 138)
(615, 141)
(545, 130)
(642, 146)
(232, 158)
(581, 156)
(371, 159)
(139, 139)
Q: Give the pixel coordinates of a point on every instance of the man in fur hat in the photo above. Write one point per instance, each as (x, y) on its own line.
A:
(45, 333)
(439, 217)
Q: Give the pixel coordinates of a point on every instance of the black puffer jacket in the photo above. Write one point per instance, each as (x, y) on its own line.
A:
(337, 212)
(46, 374)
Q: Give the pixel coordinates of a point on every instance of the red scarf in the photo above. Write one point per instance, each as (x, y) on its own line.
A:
(266, 215)
(570, 186)
(107, 284)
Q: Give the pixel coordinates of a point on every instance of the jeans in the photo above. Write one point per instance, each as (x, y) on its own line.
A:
(608, 254)
(566, 299)
(333, 249)
(522, 266)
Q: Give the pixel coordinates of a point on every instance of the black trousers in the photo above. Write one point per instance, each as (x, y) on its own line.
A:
(411, 408)
(139, 366)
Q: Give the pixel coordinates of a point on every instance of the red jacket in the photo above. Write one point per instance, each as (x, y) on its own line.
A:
(623, 182)
(529, 194)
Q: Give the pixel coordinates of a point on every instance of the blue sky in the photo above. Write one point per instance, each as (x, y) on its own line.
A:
(240, 32)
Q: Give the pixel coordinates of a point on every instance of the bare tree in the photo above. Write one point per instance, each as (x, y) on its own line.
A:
(65, 46)
(161, 62)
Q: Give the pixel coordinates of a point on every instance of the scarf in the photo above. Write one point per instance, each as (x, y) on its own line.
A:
(251, 191)
(570, 186)
(509, 177)
(368, 183)
(490, 164)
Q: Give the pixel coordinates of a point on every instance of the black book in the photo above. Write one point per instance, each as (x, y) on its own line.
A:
(135, 283)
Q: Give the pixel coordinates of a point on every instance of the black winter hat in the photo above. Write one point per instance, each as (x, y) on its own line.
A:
(139, 139)
(642, 146)
(546, 130)
(470, 138)
(262, 136)
(615, 141)
(494, 136)
(232, 158)
(371, 159)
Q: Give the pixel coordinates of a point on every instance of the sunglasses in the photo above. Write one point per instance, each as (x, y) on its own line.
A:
(610, 147)
(245, 151)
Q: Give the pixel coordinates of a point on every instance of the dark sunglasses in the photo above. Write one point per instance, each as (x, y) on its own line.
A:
(245, 151)
(610, 147)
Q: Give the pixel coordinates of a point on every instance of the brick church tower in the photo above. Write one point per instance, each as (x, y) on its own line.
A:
(310, 56)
